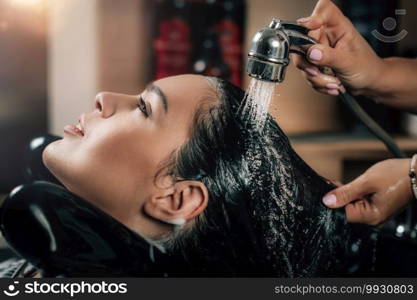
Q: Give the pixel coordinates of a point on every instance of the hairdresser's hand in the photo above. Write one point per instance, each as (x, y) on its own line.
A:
(372, 198)
(341, 48)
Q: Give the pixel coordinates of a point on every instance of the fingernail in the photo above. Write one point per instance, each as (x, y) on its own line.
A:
(311, 71)
(333, 92)
(304, 20)
(329, 199)
(332, 86)
(316, 54)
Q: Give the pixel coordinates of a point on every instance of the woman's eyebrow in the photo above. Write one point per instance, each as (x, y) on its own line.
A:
(155, 89)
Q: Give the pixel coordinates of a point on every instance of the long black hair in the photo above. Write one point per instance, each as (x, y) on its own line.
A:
(264, 215)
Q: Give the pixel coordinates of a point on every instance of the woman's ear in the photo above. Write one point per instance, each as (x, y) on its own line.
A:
(178, 204)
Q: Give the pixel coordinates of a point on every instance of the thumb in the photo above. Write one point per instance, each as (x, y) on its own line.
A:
(345, 194)
(322, 55)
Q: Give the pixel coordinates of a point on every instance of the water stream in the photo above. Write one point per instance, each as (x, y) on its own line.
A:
(255, 106)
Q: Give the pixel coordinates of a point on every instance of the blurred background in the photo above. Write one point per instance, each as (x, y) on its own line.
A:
(55, 55)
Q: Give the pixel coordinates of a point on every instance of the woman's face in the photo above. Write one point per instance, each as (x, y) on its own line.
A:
(124, 142)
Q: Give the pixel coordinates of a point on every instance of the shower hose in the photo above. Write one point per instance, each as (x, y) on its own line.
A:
(373, 127)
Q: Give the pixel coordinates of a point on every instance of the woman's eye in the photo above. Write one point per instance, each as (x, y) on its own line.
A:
(142, 106)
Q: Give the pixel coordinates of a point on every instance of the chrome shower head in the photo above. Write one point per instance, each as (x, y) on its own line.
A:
(269, 53)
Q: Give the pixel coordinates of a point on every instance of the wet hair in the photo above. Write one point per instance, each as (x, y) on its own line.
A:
(264, 215)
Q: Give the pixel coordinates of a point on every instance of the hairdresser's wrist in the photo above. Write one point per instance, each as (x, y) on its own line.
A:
(378, 87)
(396, 83)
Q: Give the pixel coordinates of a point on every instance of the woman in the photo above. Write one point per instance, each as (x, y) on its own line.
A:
(179, 166)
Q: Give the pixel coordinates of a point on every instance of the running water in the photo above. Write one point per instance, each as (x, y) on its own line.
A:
(255, 106)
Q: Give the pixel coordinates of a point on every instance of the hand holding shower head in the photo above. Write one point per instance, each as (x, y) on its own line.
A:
(269, 57)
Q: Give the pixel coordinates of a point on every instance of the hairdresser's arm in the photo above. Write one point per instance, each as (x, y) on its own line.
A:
(381, 192)
(392, 81)
(397, 85)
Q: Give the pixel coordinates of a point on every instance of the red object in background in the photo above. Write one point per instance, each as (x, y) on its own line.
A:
(200, 36)
(230, 42)
(173, 43)
(229, 29)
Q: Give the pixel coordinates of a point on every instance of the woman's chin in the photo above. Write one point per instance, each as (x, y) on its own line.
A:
(47, 153)
(56, 160)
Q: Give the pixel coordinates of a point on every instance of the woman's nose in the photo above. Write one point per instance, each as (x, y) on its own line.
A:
(110, 103)
(105, 103)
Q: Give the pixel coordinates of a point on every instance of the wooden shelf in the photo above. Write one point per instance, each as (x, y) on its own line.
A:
(327, 154)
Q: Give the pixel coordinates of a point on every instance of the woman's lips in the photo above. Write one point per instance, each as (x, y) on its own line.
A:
(81, 124)
(74, 130)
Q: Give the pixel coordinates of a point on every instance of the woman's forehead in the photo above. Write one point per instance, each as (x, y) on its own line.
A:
(185, 87)
(183, 83)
